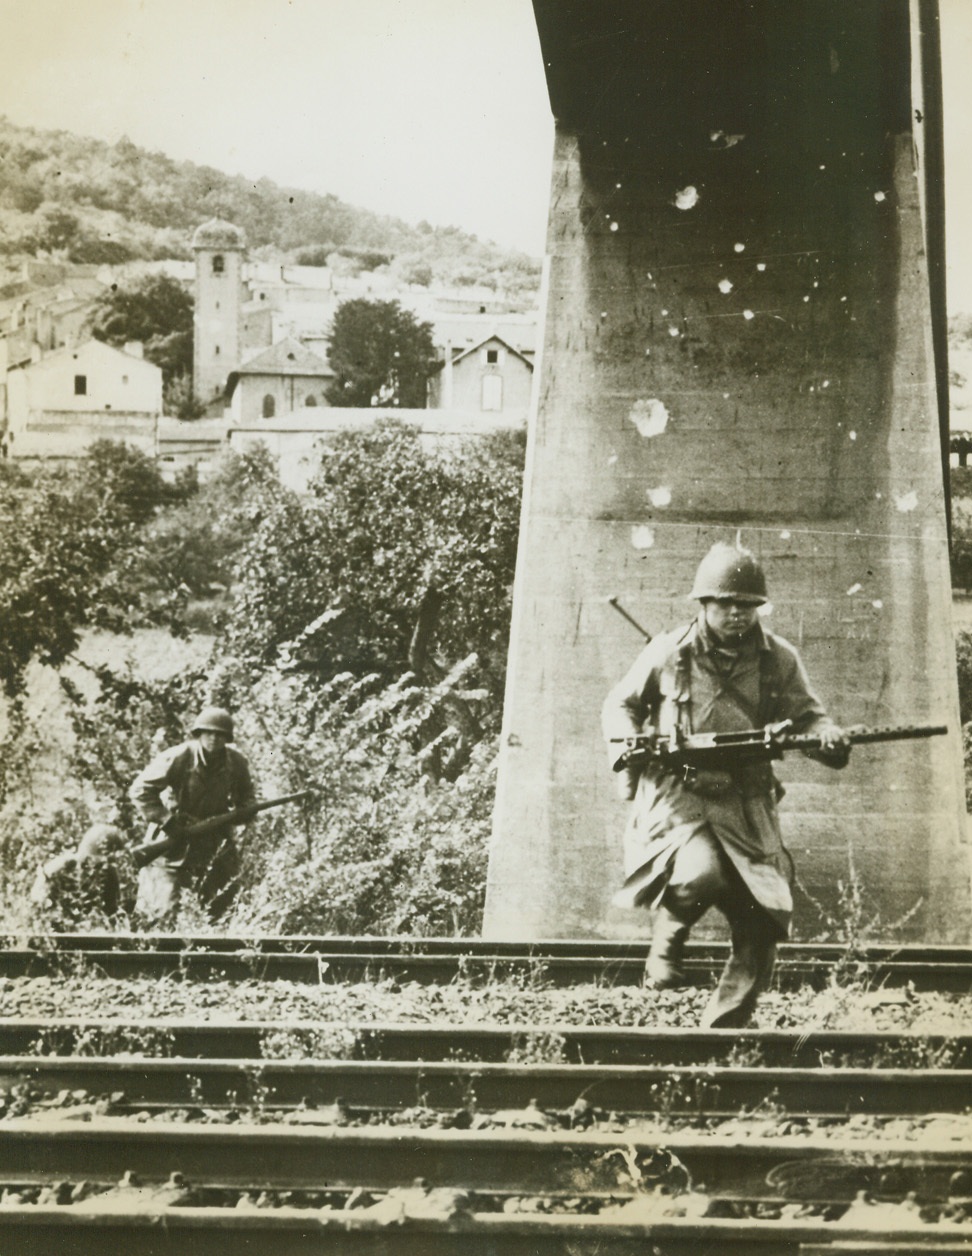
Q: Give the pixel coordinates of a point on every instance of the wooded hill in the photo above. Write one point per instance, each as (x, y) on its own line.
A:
(96, 202)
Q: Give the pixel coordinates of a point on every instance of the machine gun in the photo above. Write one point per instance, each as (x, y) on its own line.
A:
(684, 753)
(162, 842)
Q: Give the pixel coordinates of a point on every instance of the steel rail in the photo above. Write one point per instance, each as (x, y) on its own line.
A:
(481, 1041)
(340, 966)
(920, 952)
(382, 1085)
(275, 1157)
(296, 1232)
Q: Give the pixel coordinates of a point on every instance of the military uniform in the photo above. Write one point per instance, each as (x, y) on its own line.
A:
(712, 839)
(196, 785)
(81, 887)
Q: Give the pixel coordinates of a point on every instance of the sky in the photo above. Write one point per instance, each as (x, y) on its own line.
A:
(424, 109)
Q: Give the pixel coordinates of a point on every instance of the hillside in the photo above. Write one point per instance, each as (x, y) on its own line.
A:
(91, 201)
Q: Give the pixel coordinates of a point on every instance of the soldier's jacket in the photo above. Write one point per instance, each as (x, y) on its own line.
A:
(684, 678)
(182, 778)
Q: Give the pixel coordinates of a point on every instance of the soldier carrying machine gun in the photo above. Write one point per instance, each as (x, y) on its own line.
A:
(692, 732)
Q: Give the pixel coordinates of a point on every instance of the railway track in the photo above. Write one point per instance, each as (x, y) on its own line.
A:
(553, 1138)
(438, 961)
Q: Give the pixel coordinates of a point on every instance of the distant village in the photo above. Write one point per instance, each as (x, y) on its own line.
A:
(260, 363)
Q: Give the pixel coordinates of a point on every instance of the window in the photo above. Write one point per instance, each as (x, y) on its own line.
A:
(80, 385)
(219, 264)
(492, 392)
(492, 356)
(311, 400)
(269, 406)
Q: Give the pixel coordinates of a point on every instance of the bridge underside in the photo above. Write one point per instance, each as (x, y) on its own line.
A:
(740, 339)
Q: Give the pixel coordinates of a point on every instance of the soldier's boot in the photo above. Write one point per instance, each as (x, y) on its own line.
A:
(747, 974)
(663, 967)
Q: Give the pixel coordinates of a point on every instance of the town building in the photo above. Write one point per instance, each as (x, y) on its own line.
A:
(61, 404)
(492, 377)
(219, 249)
(283, 378)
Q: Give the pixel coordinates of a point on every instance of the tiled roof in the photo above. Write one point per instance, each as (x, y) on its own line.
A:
(286, 357)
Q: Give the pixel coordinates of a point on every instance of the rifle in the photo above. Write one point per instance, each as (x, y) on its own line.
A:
(154, 846)
(689, 752)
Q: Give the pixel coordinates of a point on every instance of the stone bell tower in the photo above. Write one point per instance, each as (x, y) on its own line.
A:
(219, 250)
(744, 312)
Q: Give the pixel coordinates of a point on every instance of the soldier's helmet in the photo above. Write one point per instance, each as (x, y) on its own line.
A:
(213, 719)
(728, 571)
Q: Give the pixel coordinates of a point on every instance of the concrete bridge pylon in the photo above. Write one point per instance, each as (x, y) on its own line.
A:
(744, 331)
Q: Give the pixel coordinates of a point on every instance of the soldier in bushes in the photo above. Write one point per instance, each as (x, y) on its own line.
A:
(201, 778)
(82, 887)
(712, 838)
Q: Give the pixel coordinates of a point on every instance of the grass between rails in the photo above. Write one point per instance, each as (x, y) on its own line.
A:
(339, 1007)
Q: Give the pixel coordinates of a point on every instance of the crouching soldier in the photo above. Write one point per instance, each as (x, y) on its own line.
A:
(712, 838)
(199, 779)
(81, 888)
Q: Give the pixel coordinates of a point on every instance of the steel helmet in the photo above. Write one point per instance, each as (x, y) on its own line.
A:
(728, 571)
(214, 719)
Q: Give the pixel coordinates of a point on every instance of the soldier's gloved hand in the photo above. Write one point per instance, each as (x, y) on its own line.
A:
(175, 826)
(835, 746)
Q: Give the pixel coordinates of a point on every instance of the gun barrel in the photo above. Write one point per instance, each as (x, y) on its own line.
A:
(613, 601)
(903, 732)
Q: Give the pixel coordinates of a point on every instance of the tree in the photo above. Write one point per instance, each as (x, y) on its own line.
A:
(338, 582)
(381, 355)
(68, 555)
(155, 310)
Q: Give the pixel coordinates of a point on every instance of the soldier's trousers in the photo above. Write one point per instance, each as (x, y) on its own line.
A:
(215, 885)
(703, 877)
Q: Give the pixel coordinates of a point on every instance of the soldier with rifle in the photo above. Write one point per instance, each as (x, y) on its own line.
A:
(704, 831)
(203, 778)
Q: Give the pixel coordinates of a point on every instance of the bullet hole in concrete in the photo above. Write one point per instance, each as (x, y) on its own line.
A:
(673, 330)
(760, 265)
(612, 460)
(843, 298)
(661, 496)
(664, 313)
(878, 604)
(806, 298)
(725, 285)
(739, 248)
(723, 140)
(748, 314)
(852, 435)
(642, 537)
(825, 384)
(785, 534)
(855, 588)
(906, 502)
(880, 196)
(614, 226)
(647, 353)
(687, 197)
(650, 416)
